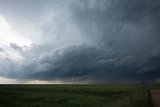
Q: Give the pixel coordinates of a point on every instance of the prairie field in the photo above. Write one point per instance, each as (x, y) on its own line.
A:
(76, 95)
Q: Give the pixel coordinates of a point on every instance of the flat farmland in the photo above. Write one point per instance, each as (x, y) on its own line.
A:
(75, 96)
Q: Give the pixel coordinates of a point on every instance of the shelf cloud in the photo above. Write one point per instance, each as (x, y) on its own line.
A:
(82, 41)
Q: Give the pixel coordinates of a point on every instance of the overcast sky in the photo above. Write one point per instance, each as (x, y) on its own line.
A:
(79, 41)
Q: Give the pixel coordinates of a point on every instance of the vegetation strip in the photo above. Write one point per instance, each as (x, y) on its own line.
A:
(75, 95)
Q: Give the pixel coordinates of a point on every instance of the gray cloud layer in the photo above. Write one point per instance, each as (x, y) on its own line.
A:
(101, 41)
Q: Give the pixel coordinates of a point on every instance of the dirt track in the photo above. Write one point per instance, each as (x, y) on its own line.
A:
(155, 98)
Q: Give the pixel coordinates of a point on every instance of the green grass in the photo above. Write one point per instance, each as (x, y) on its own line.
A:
(75, 96)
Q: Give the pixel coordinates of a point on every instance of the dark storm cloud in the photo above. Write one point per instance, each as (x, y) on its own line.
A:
(126, 42)
(129, 28)
(121, 23)
(102, 41)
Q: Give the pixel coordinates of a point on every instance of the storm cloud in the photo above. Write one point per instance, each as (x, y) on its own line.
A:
(100, 41)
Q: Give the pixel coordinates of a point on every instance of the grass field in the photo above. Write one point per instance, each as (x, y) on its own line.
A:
(75, 95)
